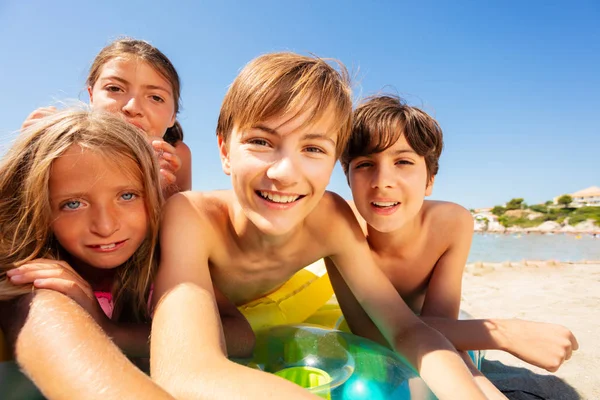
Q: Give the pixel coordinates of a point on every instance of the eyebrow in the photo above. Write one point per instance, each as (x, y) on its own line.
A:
(402, 151)
(126, 82)
(309, 136)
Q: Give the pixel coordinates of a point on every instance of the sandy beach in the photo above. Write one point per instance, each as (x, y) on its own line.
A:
(562, 293)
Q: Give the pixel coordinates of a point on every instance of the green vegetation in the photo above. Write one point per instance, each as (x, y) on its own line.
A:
(548, 211)
(565, 200)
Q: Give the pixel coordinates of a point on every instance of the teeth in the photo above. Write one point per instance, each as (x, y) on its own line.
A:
(108, 246)
(385, 203)
(276, 198)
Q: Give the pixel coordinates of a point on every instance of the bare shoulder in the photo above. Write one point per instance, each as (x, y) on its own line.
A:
(333, 221)
(210, 205)
(333, 209)
(183, 150)
(447, 218)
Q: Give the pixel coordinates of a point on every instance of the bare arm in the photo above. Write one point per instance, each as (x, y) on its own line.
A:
(188, 356)
(426, 349)
(541, 344)
(63, 351)
(444, 289)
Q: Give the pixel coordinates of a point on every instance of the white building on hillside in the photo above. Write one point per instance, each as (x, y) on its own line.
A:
(585, 197)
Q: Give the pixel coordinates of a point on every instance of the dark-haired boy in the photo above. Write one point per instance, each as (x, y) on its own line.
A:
(391, 161)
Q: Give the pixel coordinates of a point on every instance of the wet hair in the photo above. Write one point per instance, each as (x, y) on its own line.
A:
(379, 122)
(290, 84)
(25, 209)
(142, 50)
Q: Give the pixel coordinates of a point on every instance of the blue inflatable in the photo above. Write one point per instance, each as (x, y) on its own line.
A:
(332, 364)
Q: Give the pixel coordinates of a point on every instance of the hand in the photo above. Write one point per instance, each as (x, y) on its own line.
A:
(61, 277)
(168, 159)
(37, 115)
(541, 344)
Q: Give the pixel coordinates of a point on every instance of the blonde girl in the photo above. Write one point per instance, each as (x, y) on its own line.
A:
(79, 214)
(134, 79)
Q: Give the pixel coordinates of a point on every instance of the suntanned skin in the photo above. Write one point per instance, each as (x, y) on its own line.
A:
(41, 329)
(248, 246)
(434, 293)
(422, 247)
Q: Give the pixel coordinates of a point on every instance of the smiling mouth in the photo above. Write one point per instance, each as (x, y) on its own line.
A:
(385, 204)
(109, 246)
(278, 198)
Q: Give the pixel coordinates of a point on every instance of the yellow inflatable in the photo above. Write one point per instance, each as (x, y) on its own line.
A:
(299, 298)
(4, 353)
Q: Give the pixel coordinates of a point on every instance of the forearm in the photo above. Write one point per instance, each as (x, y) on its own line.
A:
(433, 357)
(64, 351)
(186, 329)
(484, 384)
(472, 334)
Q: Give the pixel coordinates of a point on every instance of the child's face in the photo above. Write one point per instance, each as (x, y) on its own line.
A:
(137, 91)
(389, 187)
(279, 169)
(98, 211)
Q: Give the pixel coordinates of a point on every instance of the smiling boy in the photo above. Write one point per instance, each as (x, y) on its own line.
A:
(391, 161)
(283, 124)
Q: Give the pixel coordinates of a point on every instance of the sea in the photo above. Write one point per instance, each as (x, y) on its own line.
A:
(514, 247)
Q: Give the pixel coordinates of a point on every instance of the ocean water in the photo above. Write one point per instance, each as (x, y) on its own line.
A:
(491, 247)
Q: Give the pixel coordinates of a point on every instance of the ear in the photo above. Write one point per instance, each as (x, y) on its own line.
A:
(173, 119)
(224, 153)
(429, 187)
(89, 88)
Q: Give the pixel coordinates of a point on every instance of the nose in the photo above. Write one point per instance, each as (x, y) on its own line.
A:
(284, 170)
(132, 107)
(382, 178)
(105, 221)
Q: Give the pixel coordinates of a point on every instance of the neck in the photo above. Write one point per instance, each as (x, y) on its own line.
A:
(251, 239)
(394, 241)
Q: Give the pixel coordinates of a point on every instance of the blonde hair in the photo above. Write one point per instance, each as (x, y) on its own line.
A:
(141, 50)
(288, 84)
(25, 213)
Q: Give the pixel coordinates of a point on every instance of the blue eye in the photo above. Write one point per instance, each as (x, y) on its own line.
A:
(128, 196)
(71, 205)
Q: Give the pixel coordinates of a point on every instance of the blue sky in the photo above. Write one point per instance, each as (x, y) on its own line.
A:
(514, 85)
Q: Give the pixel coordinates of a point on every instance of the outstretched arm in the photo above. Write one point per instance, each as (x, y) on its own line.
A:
(63, 351)
(426, 349)
(540, 344)
(187, 347)
(444, 290)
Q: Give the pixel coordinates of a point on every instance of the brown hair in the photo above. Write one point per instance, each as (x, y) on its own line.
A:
(379, 121)
(25, 212)
(142, 50)
(287, 83)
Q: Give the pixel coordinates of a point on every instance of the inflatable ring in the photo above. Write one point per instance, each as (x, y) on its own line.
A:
(293, 302)
(332, 364)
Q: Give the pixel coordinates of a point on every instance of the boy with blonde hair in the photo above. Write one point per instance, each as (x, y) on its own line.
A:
(283, 124)
(391, 160)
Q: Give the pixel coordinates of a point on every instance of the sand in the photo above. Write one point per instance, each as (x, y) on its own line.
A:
(566, 294)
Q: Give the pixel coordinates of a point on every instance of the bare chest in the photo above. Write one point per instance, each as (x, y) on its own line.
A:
(245, 277)
(410, 273)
